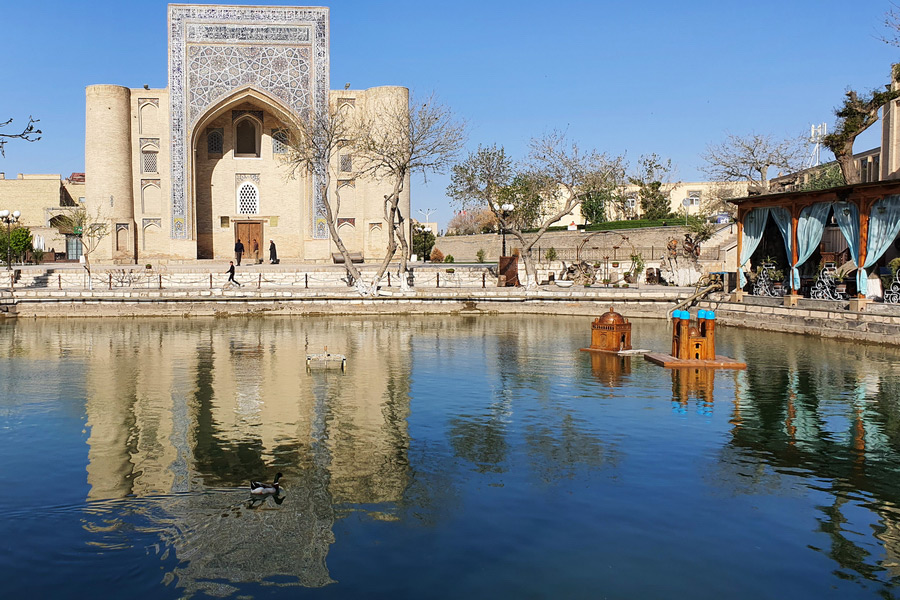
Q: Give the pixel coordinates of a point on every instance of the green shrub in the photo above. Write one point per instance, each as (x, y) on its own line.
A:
(894, 265)
(551, 254)
(480, 254)
(449, 258)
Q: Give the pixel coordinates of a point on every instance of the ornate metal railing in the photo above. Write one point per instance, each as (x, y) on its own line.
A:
(764, 286)
(826, 287)
(892, 293)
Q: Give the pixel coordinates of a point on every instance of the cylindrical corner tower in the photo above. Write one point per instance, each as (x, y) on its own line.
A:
(109, 185)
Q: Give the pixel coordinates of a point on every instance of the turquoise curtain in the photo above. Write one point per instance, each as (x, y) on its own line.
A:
(810, 227)
(754, 226)
(884, 224)
(847, 216)
(782, 217)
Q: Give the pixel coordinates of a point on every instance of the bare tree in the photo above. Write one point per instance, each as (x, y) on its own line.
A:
(29, 134)
(313, 143)
(90, 230)
(400, 139)
(855, 116)
(716, 200)
(892, 24)
(750, 157)
(557, 175)
(569, 176)
(466, 222)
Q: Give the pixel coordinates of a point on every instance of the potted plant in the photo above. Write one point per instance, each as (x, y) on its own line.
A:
(841, 287)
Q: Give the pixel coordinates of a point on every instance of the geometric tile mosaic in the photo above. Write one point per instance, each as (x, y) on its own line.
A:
(215, 50)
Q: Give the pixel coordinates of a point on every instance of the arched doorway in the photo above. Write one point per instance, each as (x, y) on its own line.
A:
(240, 178)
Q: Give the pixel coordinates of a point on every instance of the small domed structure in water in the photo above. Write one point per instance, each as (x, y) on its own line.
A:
(611, 332)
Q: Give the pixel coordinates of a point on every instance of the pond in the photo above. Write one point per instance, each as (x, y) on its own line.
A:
(479, 456)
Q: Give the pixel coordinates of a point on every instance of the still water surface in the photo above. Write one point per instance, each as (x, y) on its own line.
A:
(461, 457)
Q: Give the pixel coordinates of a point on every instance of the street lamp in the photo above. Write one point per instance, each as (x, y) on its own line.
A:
(425, 233)
(9, 219)
(504, 212)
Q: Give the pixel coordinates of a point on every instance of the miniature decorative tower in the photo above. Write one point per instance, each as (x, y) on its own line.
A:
(694, 340)
(610, 332)
(694, 344)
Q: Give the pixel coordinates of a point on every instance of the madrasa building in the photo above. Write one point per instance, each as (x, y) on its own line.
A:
(182, 173)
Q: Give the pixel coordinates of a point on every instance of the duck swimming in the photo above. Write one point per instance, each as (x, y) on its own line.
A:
(265, 489)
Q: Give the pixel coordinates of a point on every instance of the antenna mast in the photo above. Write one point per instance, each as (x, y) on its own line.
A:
(816, 134)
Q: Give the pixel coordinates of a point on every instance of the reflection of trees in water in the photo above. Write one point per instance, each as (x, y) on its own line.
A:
(557, 449)
(830, 420)
(555, 440)
(481, 439)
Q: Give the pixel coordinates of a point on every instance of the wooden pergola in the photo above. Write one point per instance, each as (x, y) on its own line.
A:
(863, 195)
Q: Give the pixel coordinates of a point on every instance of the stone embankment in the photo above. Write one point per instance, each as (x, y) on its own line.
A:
(467, 290)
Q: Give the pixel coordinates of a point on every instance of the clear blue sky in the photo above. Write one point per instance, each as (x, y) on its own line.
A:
(652, 76)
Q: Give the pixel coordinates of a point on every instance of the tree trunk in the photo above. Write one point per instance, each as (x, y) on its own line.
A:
(525, 253)
(844, 157)
(395, 230)
(332, 228)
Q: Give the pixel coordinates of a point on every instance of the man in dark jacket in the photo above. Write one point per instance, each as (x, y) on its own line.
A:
(273, 253)
(238, 252)
(230, 272)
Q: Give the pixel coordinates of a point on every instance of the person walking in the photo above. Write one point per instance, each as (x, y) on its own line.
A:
(273, 253)
(238, 251)
(255, 246)
(230, 272)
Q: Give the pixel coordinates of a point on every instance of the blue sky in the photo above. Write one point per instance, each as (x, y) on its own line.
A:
(634, 78)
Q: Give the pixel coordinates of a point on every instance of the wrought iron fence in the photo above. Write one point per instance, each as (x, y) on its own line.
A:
(619, 254)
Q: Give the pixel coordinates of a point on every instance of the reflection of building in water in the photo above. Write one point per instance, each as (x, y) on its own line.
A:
(823, 418)
(610, 368)
(210, 404)
(693, 383)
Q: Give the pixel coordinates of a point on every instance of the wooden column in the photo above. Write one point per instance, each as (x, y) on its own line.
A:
(740, 239)
(865, 205)
(795, 252)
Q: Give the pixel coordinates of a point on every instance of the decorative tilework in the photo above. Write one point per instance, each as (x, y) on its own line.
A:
(153, 101)
(237, 114)
(215, 50)
(241, 177)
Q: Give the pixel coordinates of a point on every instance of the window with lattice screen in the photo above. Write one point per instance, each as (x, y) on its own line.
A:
(346, 163)
(215, 142)
(247, 199)
(148, 161)
(279, 141)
